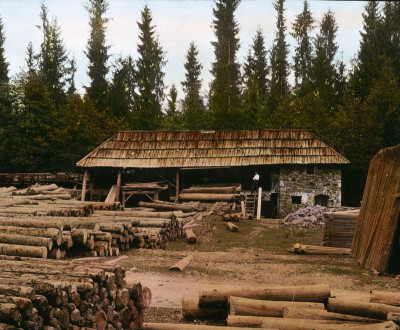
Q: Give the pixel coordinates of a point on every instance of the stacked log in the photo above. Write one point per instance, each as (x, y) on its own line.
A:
(290, 307)
(339, 228)
(37, 294)
(315, 249)
(226, 194)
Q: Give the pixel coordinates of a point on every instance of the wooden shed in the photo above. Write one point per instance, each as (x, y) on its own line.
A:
(297, 168)
(376, 241)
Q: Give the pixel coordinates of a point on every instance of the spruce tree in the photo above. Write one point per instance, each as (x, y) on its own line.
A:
(30, 60)
(97, 53)
(302, 28)
(193, 108)
(391, 26)
(325, 75)
(225, 99)
(3, 63)
(256, 83)
(371, 53)
(71, 79)
(52, 58)
(121, 91)
(172, 102)
(149, 76)
(279, 53)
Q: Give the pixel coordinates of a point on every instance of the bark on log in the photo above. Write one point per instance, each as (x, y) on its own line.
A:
(18, 291)
(31, 223)
(190, 236)
(282, 323)
(10, 313)
(232, 227)
(23, 250)
(53, 233)
(313, 249)
(37, 189)
(243, 306)
(26, 240)
(191, 310)
(218, 296)
(258, 306)
(206, 197)
(181, 264)
(315, 314)
(358, 308)
(395, 317)
(23, 304)
(212, 190)
(79, 236)
(180, 326)
(170, 206)
(385, 297)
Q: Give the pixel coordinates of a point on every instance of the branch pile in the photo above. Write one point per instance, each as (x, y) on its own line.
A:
(36, 294)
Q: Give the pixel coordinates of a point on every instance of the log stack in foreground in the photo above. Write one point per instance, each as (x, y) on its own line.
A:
(291, 307)
(36, 294)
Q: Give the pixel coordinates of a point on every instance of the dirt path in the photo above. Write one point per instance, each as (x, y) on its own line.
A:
(236, 267)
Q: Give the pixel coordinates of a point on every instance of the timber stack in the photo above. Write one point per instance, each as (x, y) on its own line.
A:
(338, 228)
(292, 307)
(56, 228)
(41, 294)
(209, 194)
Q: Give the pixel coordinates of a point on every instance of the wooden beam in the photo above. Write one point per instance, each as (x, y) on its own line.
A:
(85, 177)
(177, 183)
(259, 203)
(118, 186)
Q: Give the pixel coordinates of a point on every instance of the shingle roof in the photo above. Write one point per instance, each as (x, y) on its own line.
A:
(154, 149)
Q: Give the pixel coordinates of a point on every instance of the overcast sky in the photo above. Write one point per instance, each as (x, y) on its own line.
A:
(177, 24)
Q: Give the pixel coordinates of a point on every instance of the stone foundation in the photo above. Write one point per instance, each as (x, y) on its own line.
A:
(300, 184)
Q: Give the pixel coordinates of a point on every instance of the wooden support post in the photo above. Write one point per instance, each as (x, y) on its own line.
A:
(85, 177)
(118, 186)
(243, 208)
(259, 203)
(177, 183)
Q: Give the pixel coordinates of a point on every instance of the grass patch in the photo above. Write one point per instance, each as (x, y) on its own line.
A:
(213, 236)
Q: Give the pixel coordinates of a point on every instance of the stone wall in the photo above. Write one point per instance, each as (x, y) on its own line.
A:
(301, 183)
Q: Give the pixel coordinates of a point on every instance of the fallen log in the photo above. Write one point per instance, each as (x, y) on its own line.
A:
(190, 236)
(180, 326)
(17, 291)
(243, 306)
(315, 314)
(7, 190)
(207, 197)
(38, 189)
(232, 227)
(140, 214)
(284, 323)
(181, 264)
(212, 190)
(191, 310)
(23, 304)
(395, 317)
(384, 297)
(34, 223)
(170, 206)
(218, 296)
(358, 308)
(23, 250)
(26, 240)
(313, 249)
(10, 313)
(52, 233)
(237, 304)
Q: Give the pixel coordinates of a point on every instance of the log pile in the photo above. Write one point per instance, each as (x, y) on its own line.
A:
(39, 294)
(60, 228)
(290, 307)
(338, 228)
(315, 249)
(208, 194)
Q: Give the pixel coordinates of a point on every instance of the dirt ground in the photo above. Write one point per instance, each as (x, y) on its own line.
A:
(256, 255)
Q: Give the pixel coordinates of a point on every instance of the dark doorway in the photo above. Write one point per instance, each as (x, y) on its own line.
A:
(321, 200)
